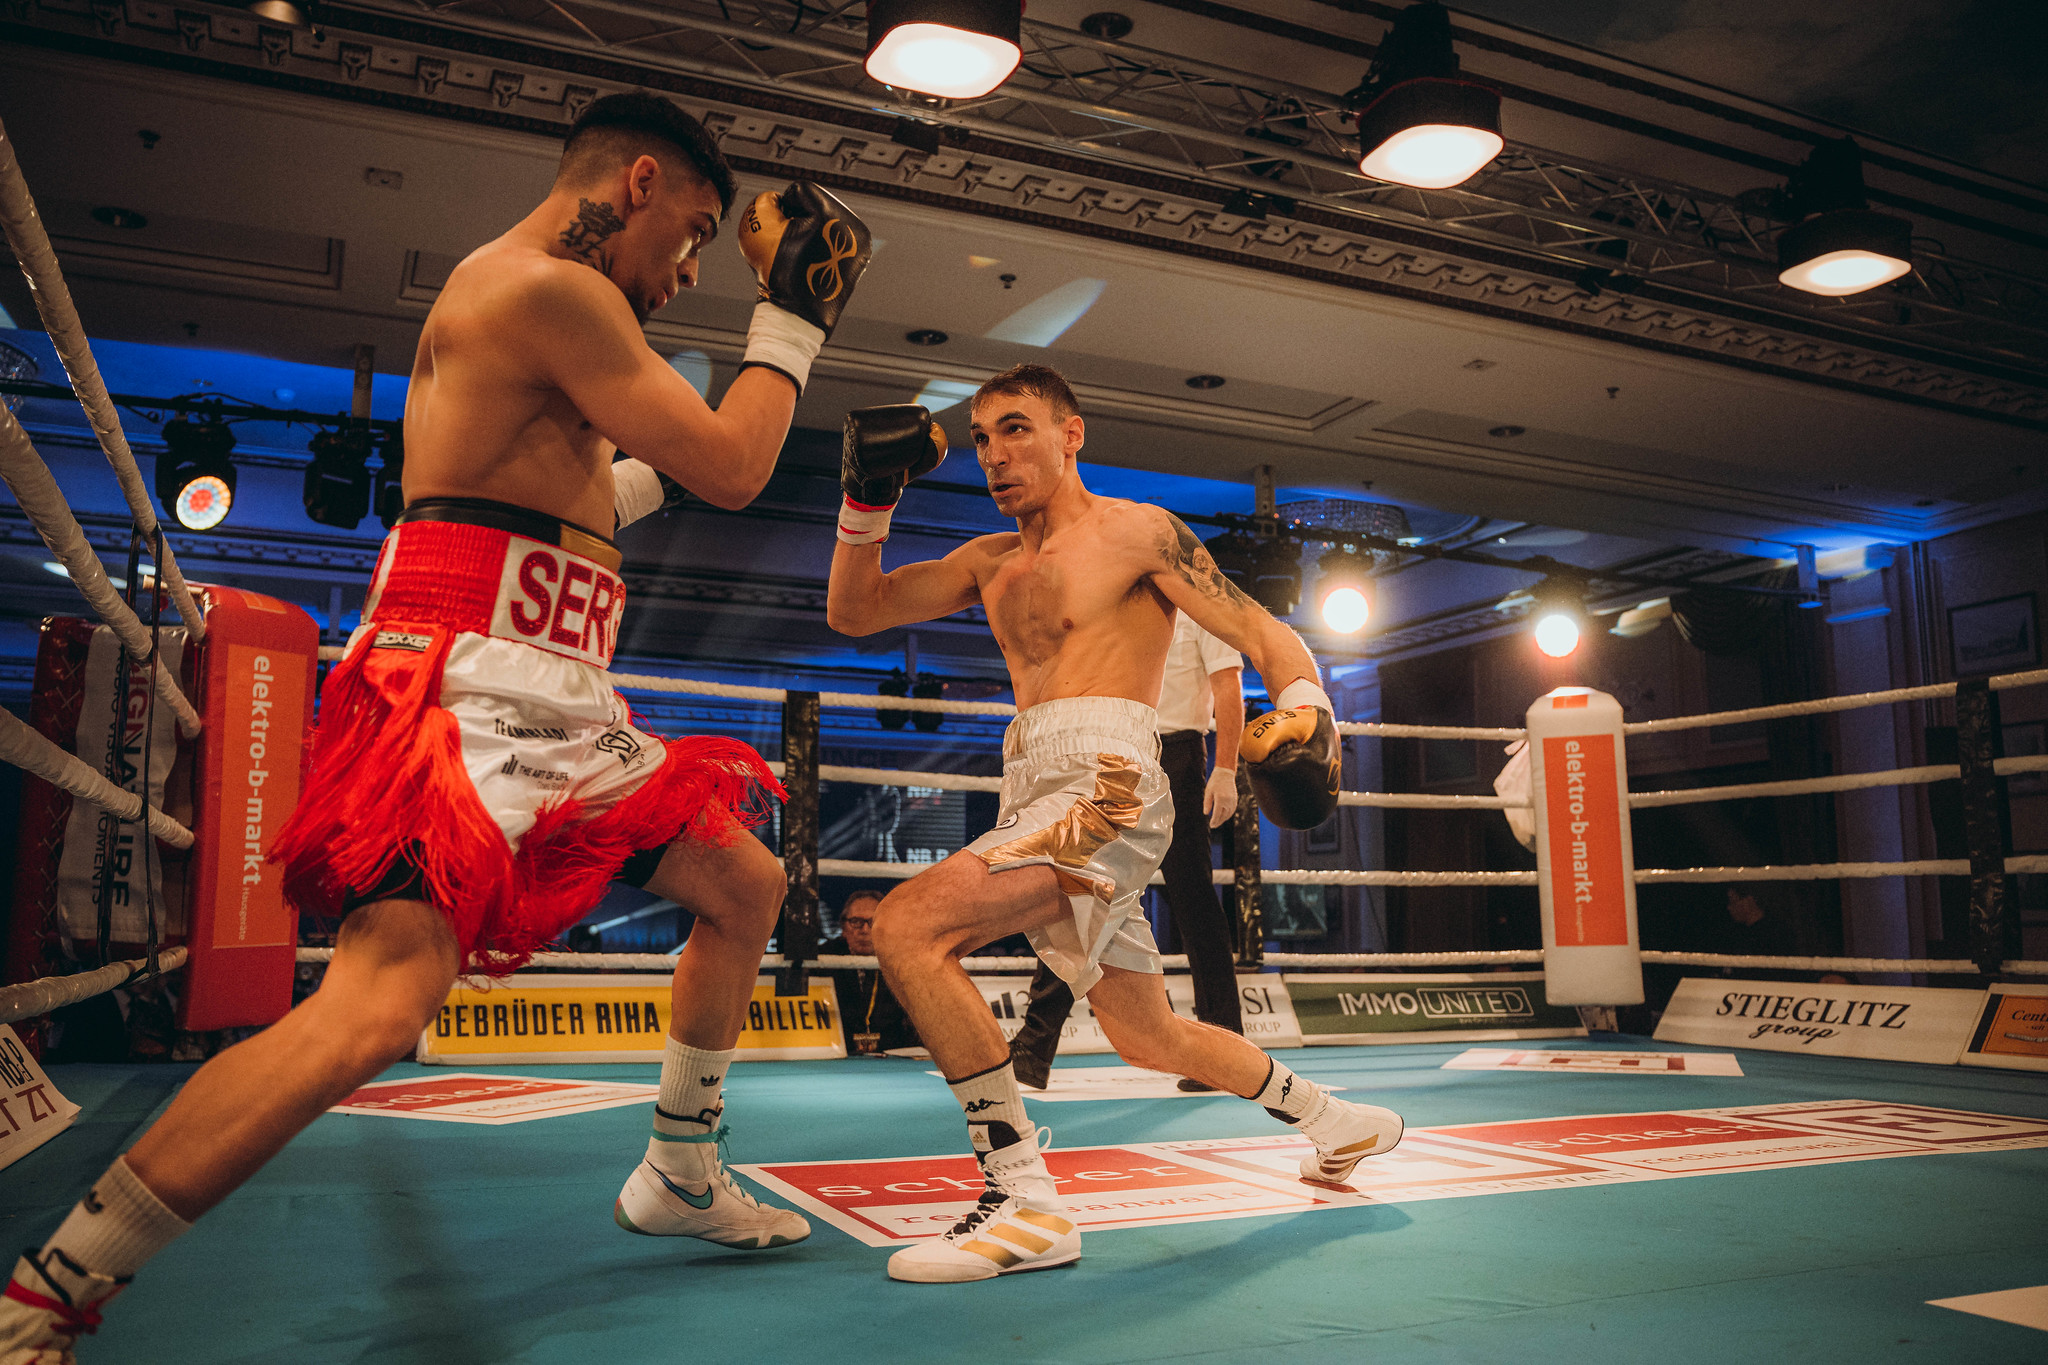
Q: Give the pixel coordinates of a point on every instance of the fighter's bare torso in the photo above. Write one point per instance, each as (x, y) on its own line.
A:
(1078, 616)
(481, 419)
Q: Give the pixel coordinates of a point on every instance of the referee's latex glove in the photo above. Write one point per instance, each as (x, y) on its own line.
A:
(1219, 798)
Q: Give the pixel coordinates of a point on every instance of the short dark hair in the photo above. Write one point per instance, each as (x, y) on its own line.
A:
(618, 128)
(847, 905)
(1042, 382)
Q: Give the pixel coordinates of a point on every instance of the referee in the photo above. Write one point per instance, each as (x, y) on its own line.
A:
(1202, 691)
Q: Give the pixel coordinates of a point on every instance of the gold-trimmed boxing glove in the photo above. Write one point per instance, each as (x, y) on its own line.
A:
(808, 251)
(1293, 758)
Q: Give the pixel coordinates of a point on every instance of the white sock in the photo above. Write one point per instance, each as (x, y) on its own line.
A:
(1290, 1098)
(117, 1226)
(686, 1111)
(994, 1108)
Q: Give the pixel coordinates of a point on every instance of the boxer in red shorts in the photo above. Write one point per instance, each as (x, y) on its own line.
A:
(475, 783)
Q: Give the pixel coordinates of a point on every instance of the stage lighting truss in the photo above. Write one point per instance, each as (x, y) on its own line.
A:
(1133, 110)
(195, 478)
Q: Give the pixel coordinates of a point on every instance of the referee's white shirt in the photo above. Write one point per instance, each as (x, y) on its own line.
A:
(1185, 702)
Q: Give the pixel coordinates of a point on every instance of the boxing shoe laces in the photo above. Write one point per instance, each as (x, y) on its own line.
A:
(1018, 1225)
(48, 1304)
(690, 1194)
(1345, 1134)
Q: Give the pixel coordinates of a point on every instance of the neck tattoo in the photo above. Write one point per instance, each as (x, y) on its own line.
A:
(594, 225)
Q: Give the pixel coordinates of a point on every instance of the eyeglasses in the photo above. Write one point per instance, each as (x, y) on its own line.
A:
(857, 922)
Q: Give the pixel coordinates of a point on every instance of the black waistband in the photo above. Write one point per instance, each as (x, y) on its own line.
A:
(503, 516)
(1183, 736)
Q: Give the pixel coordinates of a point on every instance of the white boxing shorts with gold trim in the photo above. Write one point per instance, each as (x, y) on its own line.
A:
(1083, 794)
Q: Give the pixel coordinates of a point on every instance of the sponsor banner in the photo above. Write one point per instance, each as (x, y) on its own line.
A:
(261, 729)
(31, 1109)
(474, 1098)
(890, 1201)
(1598, 1063)
(1009, 997)
(1263, 1001)
(2012, 1030)
(1393, 1008)
(1589, 884)
(1117, 1083)
(1891, 1023)
(91, 835)
(578, 1017)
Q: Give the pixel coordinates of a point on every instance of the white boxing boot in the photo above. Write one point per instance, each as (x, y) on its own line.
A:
(49, 1303)
(682, 1189)
(1345, 1134)
(1020, 1224)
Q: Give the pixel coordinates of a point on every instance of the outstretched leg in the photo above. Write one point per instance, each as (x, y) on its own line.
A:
(682, 1189)
(392, 967)
(1142, 1026)
(922, 930)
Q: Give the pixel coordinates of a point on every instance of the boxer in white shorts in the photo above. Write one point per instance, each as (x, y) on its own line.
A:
(1081, 599)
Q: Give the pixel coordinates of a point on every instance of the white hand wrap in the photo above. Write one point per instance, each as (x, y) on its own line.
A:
(783, 342)
(860, 525)
(1303, 692)
(636, 491)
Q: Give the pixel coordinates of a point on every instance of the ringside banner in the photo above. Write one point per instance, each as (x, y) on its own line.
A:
(1888, 1023)
(1262, 998)
(31, 1110)
(540, 1017)
(2012, 1030)
(1395, 1008)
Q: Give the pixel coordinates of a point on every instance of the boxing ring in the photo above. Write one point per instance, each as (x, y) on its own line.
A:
(373, 1239)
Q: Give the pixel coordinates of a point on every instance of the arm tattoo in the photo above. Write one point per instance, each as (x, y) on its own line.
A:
(1186, 556)
(594, 225)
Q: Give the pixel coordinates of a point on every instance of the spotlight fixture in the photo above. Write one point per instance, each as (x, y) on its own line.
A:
(1419, 123)
(1276, 576)
(195, 479)
(1641, 619)
(286, 12)
(926, 336)
(1839, 246)
(947, 49)
(1341, 578)
(1559, 616)
(337, 488)
(1205, 381)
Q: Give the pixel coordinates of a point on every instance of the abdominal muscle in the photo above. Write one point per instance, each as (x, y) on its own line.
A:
(1121, 653)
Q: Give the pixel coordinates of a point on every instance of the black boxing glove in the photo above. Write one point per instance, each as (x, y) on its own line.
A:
(884, 449)
(1293, 758)
(639, 490)
(808, 250)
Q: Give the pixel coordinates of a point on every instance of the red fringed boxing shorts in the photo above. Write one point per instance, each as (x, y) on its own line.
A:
(470, 732)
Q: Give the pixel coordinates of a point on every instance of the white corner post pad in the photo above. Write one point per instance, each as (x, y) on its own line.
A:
(1303, 692)
(783, 342)
(636, 491)
(860, 524)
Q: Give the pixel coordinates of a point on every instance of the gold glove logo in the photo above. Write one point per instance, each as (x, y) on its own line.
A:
(844, 246)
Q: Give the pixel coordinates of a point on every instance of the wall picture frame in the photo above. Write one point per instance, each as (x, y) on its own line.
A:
(1997, 636)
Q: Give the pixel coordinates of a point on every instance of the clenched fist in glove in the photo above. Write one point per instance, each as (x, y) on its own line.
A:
(1292, 756)
(884, 449)
(808, 250)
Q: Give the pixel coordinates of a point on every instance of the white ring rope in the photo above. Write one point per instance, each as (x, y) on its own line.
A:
(31, 247)
(28, 749)
(35, 488)
(32, 998)
(666, 962)
(1932, 966)
(1419, 801)
(1849, 702)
